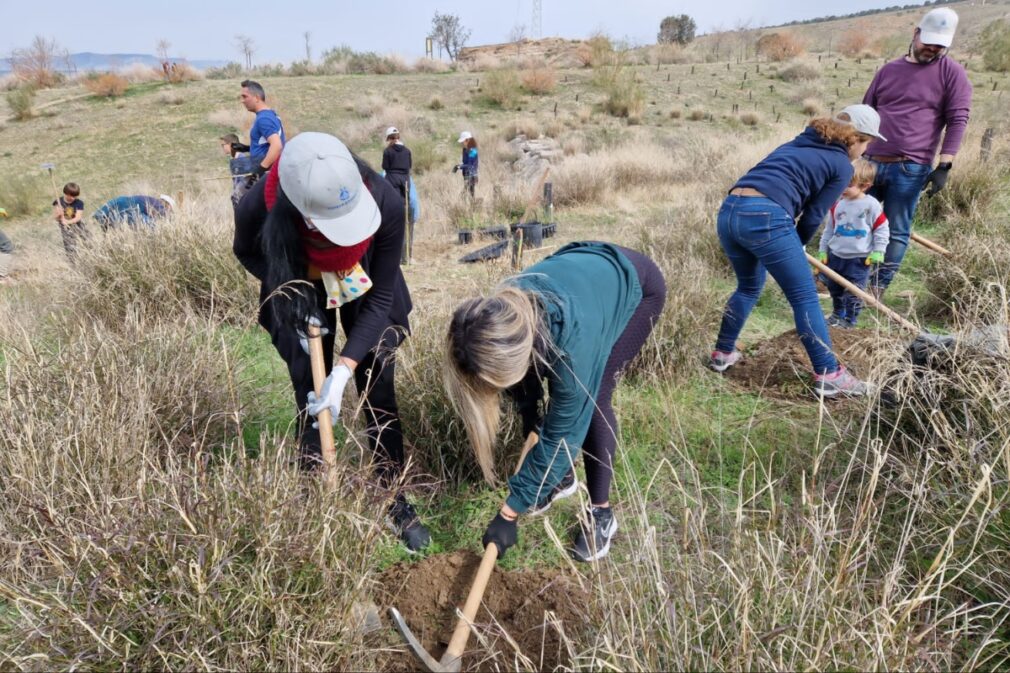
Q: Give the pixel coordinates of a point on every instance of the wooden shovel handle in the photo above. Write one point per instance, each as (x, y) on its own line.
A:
(865, 296)
(932, 245)
(324, 419)
(462, 633)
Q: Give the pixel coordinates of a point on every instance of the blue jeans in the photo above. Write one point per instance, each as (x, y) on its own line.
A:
(757, 234)
(844, 304)
(898, 186)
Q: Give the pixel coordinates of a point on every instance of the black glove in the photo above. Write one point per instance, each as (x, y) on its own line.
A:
(937, 179)
(455, 168)
(255, 174)
(502, 532)
(239, 147)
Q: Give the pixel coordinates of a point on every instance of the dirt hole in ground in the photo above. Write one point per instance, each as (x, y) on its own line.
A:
(531, 607)
(779, 367)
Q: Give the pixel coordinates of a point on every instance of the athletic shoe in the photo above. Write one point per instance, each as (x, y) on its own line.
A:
(405, 523)
(594, 545)
(720, 362)
(837, 383)
(835, 320)
(566, 488)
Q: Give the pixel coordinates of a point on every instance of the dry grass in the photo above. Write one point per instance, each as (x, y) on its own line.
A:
(501, 88)
(21, 101)
(431, 65)
(812, 107)
(780, 46)
(540, 80)
(107, 85)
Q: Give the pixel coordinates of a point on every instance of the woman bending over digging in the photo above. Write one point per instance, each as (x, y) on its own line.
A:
(577, 319)
(759, 229)
(323, 234)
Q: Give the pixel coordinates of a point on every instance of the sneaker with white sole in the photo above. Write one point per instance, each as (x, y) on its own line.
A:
(720, 362)
(565, 489)
(595, 544)
(403, 519)
(837, 383)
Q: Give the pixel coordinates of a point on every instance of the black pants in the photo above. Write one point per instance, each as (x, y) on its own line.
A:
(600, 443)
(373, 378)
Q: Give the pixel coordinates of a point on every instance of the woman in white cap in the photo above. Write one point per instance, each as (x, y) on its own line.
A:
(396, 161)
(769, 216)
(469, 162)
(323, 234)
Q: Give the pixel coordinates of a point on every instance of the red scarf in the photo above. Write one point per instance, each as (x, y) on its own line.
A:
(319, 250)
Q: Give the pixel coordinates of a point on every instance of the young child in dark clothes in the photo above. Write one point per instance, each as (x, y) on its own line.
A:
(68, 211)
(855, 237)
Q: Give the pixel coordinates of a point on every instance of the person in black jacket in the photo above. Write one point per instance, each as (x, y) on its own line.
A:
(323, 234)
(396, 161)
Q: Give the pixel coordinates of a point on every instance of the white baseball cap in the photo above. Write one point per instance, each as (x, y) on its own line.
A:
(938, 26)
(863, 118)
(321, 178)
(465, 135)
(392, 130)
(169, 200)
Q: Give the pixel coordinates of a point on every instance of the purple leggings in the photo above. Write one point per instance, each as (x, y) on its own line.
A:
(601, 440)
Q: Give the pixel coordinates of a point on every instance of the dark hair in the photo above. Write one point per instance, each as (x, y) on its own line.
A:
(229, 138)
(72, 189)
(293, 299)
(255, 88)
(469, 143)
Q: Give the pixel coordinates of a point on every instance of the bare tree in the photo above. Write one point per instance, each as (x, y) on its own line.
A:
(245, 44)
(517, 36)
(448, 32)
(40, 62)
(308, 48)
(161, 49)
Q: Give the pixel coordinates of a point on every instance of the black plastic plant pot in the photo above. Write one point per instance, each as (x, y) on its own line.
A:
(501, 233)
(486, 254)
(465, 236)
(550, 229)
(533, 234)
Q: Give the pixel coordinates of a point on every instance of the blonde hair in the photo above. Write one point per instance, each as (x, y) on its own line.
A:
(491, 344)
(838, 130)
(864, 173)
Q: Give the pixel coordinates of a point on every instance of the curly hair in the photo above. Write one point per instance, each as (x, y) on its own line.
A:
(838, 130)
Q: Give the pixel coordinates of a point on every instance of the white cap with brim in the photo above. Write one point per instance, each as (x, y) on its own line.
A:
(392, 131)
(465, 135)
(321, 179)
(863, 118)
(169, 200)
(938, 27)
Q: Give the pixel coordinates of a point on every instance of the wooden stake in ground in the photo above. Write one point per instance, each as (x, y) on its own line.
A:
(324, 419)
(862, 294)
(931, 245)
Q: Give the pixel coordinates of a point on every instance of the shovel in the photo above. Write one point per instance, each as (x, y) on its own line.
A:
(932, 246)
(451, 660)
(324, 419)
(862, 294)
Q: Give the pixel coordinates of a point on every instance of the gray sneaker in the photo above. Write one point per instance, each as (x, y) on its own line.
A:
(720, 362)
(594, 544)
(838, 383)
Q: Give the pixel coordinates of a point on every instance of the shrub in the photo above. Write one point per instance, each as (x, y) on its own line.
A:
(370, 63)
(501, 88)
(971, 192)
(750, 118)
(625, 97)
(996, 45)
(22, 101)
(779, 46)
(435, 103)
(231, 70)
(540, 81)
(854, 41)
(697, 115)
(24, 194)
(675, 113)
(799, 72)
(425, 154)
(431, 65)
(596, 51)
(138, 73)
(184, 72)
(811, 107)
(107, 85)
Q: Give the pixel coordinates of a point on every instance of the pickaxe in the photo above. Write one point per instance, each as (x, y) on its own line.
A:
(52, 178)
(325, 422)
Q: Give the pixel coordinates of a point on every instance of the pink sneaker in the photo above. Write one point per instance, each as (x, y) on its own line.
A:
(720, 362)
(840, 382)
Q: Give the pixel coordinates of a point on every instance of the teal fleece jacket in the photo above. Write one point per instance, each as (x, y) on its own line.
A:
(589, 292)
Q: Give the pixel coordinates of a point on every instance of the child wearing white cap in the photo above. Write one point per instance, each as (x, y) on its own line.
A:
(469, 163)
(323, 234)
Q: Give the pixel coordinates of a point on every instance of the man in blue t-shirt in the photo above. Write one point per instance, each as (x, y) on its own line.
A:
(266, 137)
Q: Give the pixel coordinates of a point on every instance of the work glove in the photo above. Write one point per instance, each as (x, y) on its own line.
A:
(331, 395)
(455, 168)
(255, 174)
(303, 337)
(239, 147)
(822, 257)
(875, 257)
(3, 212)
(937, 179)
(502, 532)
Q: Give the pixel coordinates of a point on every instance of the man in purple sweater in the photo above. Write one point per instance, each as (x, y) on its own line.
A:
(918, 96)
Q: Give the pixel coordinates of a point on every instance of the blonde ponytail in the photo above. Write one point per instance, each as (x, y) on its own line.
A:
(490, 347)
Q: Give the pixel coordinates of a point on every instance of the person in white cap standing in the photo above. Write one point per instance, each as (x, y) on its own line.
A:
(397, 161)
(769, 215)
(323, 234)
(922, 97)
(470, 161)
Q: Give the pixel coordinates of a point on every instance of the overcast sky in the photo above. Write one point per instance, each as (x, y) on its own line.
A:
(205, 29)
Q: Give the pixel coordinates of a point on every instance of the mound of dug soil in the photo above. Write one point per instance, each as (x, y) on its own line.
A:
(527, 605)
(780, 367)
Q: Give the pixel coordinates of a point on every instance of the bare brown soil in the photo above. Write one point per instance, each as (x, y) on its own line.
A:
(526, 607)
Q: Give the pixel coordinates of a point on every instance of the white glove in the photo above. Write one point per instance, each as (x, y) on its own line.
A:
(303, 338)
(331, 395)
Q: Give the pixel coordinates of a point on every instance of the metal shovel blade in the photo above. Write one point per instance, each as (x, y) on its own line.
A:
(422, 655)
